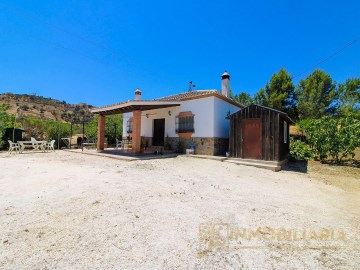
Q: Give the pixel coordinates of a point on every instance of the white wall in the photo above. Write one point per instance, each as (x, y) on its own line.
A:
(147, 123)
(221, 124)
(203, 110)
(209, 118)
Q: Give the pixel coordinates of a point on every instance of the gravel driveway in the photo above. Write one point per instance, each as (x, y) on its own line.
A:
(70, 211)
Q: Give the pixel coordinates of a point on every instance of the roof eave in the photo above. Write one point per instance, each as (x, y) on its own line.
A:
(135, 105)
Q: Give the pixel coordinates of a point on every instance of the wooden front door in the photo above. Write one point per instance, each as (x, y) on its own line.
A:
(159, 132)
(251, 135)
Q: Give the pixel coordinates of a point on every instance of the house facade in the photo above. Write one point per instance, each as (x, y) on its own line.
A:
(199, 121)
(197, 118)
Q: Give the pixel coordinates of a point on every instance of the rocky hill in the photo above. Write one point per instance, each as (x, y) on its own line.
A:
(44, 108)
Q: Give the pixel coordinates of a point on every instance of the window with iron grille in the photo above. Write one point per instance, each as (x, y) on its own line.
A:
(184, 123)
(129, 126)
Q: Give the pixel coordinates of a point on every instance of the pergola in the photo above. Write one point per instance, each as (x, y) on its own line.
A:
(134, 106)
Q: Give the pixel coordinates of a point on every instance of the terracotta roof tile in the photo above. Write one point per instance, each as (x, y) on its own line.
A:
(199, 94)
(196, 94)
(188, 95)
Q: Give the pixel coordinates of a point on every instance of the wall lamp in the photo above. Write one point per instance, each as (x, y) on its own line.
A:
(169, 112)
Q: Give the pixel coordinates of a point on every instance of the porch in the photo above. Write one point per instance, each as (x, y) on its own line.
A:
(136, 107)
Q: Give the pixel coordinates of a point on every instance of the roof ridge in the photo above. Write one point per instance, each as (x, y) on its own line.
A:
(187, 93)
(195, 94)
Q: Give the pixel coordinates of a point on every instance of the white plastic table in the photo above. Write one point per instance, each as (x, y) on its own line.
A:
(36, 145)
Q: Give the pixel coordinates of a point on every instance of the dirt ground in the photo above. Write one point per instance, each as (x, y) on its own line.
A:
(65, 210)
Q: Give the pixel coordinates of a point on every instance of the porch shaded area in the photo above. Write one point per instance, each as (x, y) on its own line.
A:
(123, 154)
(134, 106)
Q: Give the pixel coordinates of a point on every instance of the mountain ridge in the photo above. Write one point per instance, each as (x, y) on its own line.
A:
(32, 105)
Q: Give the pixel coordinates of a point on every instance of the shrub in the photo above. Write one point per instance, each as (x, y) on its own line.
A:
(348, 137)
(24, 107)
(331, 137)
(299, 150)
(2, 132)
(6, 121)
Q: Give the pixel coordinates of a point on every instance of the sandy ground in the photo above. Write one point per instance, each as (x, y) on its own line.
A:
(70, 211)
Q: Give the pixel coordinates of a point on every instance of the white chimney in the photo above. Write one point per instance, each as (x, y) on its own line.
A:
(138, 94)
(225, 84)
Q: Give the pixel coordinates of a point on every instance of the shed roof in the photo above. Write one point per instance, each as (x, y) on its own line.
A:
(271, 109)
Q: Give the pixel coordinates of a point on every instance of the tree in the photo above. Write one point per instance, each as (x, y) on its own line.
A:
(243, 98)
(91, 128)
(349, 97)
(279, 93)
(6, 121)
(113, 124)
(5, 118)
(260, 98)
(316, 95)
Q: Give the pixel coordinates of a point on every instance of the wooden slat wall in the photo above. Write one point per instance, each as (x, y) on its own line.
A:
(272, 146)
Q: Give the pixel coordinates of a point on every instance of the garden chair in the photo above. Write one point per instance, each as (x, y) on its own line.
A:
(13, 147)
(50, 146)
(118, 144)
(125, 143)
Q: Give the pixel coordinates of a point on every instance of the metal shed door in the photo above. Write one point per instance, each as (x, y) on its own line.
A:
(251, 135)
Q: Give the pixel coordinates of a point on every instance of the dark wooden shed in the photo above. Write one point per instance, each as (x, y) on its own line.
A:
(258, 132)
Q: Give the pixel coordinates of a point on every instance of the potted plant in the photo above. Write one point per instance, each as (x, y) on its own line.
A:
(142, 146)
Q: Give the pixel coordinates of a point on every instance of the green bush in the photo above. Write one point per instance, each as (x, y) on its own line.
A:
(348, 137)
(2, 132)
(6, 121)
(335, 138)
(299, 150)
(46, 129)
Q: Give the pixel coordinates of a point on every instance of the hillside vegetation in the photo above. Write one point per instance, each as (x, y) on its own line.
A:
(50, 119)
(24, 105)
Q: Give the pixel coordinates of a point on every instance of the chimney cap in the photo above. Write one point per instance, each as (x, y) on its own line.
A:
(138, 92)
(225, 75)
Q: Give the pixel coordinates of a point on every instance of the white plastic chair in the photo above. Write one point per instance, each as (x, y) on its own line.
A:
(13, 147)
(50, 146)
(118, 144)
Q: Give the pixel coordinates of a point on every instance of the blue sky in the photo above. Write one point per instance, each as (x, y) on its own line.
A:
(99, 52)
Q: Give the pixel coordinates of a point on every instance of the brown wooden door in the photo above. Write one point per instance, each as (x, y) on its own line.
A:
(251, 135)
(159, 132)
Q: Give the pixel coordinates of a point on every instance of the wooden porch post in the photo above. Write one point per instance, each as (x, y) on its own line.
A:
(136, 132)
(101, 133)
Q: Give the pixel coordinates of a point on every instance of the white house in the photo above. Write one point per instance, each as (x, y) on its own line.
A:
(195, 118)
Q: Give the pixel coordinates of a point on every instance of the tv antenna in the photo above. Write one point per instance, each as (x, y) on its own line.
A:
(191, 85)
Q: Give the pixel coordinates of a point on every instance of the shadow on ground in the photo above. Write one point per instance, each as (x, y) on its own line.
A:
(296, 166)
